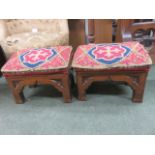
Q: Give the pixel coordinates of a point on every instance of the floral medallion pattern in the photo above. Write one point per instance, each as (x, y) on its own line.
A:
(35, 57)
(40, 59)
(101, 56)
(109, 54)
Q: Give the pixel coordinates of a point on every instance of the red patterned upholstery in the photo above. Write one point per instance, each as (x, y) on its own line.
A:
(38, 60)
(102, 56)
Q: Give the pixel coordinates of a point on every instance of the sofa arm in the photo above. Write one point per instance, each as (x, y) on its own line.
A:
(3, 29)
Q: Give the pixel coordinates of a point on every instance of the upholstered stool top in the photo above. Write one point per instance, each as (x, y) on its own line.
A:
(102, 56)
(38, 59)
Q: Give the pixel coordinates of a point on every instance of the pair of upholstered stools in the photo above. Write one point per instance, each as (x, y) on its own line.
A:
(126, 62)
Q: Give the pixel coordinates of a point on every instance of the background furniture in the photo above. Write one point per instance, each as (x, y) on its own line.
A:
(32, 33)
(142, 30)
(80, 29)
(103, 30)
(76, 32)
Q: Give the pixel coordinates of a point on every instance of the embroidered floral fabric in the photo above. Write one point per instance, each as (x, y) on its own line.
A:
(39, 59)
(101, 56)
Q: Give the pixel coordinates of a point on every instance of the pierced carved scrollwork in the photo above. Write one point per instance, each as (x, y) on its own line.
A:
(135, 81)
(21, 84)
(60, 82)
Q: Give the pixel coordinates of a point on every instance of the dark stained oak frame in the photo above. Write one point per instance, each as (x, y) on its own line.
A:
(134, 78)
(58, 80)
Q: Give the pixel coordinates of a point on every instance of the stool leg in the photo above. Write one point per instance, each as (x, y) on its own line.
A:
(66, 90)
(18, 94)
(81, 90)
(138, 92)
(19, 97)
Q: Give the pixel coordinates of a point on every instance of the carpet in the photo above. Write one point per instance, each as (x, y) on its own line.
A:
(108, 110)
